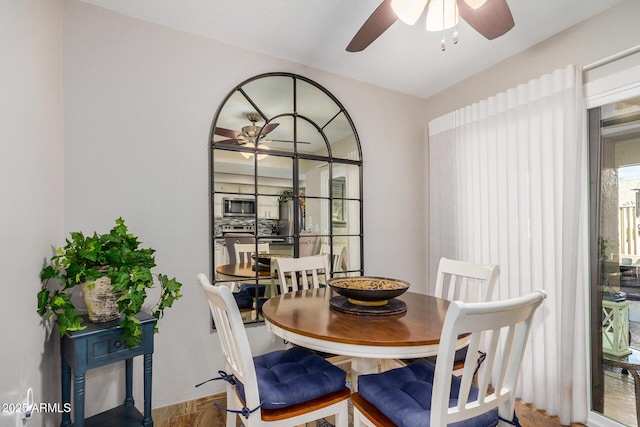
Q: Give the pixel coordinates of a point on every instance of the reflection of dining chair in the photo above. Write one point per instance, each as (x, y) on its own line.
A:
(243, 299)
(467, 282)
(339, 257)
(230, 240)
(422, 391)
(244, 251)
(279, 389)
(290, 270)
(308, 245)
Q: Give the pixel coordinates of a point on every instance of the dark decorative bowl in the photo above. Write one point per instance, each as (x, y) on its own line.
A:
(265, 259)
(370, 291)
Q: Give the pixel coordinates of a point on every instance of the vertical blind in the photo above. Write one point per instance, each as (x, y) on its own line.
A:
(508, 186)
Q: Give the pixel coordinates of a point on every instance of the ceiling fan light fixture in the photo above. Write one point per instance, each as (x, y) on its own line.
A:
(442, 15)
(250, 155)
(475, 3)
(251, 130)
(408, 11)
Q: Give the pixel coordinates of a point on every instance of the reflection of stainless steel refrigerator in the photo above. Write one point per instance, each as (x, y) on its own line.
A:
(285, 223)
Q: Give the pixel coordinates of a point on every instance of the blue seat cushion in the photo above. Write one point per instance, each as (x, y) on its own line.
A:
(261, 302)
(404, 396)
(251, 289)
(294, 376)
(243, 299)
(460, 356)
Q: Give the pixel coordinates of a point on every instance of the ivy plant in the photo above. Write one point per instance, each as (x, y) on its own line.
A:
(116, 254)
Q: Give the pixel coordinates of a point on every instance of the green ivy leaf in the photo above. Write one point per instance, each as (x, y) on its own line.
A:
(43, 298)
(47, 273)
(132, 334)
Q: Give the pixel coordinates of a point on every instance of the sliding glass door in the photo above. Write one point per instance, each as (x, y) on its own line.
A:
(614, 165)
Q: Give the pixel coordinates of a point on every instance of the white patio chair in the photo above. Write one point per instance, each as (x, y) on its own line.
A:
(385, 400)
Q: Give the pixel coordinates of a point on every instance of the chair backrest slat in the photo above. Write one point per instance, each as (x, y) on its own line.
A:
(291, 268)
(244, 251)
(463, 281)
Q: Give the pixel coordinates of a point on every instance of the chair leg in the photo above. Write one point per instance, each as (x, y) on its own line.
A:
(231, 419)
(342, 417)
(356, 418)
(231, 416)
(360, 420)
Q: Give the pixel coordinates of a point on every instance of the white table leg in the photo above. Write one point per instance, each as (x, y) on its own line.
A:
(362, 366)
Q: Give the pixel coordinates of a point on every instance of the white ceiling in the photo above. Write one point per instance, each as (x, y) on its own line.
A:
(316, 32)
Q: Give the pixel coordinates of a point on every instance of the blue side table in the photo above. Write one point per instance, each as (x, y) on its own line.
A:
(98, 345)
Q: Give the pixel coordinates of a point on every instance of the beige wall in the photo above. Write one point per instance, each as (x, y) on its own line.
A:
(30, 194)
(139, 99)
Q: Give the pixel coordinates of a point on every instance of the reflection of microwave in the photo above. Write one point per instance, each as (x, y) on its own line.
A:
(233, 206)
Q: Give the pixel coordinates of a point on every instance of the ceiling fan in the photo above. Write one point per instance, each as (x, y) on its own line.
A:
(250, 134)
(491, 18)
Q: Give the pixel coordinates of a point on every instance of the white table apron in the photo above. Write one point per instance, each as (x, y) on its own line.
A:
(365, 359)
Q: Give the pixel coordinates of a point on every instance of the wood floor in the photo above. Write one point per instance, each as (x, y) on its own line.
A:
(202, 413)
(530, 416)
(619, 404)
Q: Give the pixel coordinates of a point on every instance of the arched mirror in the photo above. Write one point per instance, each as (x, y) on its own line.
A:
(286, 180)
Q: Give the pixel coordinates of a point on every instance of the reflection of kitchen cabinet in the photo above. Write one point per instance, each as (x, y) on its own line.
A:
(217, 205)
(236, 188)
(220, 255)
(268, 207)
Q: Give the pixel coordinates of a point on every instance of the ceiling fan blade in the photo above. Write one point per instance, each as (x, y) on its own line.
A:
(284, 140)
(492, 19)
(232, 141)
(227, 133)
(268, 128)
(381, 19)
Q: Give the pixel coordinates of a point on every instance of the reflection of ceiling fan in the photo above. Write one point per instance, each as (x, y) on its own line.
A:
(491, 18)
(249, 134)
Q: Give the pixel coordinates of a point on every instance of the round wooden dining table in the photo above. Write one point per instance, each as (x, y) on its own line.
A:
(244, 270)
(306, 318)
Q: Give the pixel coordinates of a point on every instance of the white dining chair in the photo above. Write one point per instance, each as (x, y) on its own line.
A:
(278, 389)
(465, 281)
(468, 282)
(339, 252)
(423, 394)
(295, 272)
(243, 251)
